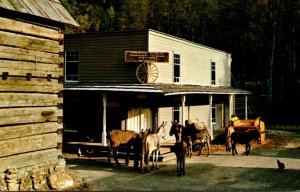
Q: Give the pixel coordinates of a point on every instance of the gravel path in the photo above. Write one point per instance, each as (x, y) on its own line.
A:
(219, 171)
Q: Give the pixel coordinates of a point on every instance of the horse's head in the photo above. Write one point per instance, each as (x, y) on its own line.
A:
(143, 133)
(173, 129)
(176, 129)
(163, 130)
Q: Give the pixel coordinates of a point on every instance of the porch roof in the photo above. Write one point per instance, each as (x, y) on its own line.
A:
(165, 89)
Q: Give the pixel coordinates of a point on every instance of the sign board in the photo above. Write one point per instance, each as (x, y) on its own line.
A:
(145, 56)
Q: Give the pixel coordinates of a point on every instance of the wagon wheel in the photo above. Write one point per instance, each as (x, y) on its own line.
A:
(147, 73)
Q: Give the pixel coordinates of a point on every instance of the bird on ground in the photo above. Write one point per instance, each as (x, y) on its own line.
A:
(79, 152)
(281, 166)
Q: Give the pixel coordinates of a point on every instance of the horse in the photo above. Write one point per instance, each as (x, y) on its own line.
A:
(177, 130)
(115, 138)
(181, 147)
(199, 133)
(244, 137)
(151, 144)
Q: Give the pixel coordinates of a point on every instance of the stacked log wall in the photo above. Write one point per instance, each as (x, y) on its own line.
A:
(31, 83)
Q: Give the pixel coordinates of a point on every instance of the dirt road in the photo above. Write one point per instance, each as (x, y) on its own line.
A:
(219, 171)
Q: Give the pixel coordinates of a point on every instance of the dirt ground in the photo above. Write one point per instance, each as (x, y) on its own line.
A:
(219, 171)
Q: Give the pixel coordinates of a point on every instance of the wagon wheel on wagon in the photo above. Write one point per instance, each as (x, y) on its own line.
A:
(147, 73)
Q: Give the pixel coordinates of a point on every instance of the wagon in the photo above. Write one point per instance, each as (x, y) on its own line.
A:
(245, 125)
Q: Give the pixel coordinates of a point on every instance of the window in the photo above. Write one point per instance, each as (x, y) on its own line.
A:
(176, 68)
(213, 73)
(213, 113)
(71, 66)
(176, 113)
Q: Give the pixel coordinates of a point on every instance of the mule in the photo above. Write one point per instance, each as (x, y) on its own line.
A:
(200, 136)
(244, 137)
(116, 138)
(151, 144)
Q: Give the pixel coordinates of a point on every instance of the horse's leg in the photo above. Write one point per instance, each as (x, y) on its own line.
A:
(127, 155)
(247, 148)
(233, 148)
(142, 160)
(156, 158)
(208, 148)
(180, 165)
(191, 151)
(115, 152)
(148, 159)
(177, 165)
(179, 162)
(108, 155)
(108, 152)
(200, 149)
(143, 156)
(229, 146)
(183, 164)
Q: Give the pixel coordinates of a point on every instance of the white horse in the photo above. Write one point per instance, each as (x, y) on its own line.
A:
(151, 144)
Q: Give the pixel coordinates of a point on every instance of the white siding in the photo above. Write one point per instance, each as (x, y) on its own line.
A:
(195, 61)
(165, 114)
(200, 112)
(139, 119)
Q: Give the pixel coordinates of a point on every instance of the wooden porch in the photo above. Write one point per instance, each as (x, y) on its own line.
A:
(98, 150)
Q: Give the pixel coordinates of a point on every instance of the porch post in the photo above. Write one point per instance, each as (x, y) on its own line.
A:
(104, 99)
(246, 107)
(230, 105)
(183, 108)
(210, 116)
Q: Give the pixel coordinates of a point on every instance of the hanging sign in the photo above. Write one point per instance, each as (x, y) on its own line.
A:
(145, 56)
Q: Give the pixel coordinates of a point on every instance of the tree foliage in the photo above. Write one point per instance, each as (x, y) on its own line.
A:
(262, 35)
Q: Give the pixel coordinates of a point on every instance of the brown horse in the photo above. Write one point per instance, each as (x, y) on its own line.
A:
(151, 144)
(181, 148)
(116, 138)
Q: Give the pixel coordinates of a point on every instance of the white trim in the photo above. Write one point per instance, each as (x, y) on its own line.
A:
(104, 100)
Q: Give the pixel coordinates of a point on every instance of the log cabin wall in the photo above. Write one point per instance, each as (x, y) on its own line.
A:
(31, 70)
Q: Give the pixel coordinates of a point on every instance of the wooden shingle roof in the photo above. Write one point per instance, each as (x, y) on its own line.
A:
(49, 9)
(165, 89)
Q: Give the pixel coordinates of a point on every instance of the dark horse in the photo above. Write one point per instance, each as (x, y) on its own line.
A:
(244, 137)
(181, 147)
(116, 138)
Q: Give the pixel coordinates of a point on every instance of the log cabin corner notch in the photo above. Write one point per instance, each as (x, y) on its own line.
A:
(30, 126)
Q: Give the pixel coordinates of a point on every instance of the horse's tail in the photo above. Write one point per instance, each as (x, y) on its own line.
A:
(108, 144)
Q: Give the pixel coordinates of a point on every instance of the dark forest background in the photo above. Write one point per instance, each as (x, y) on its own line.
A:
(261, 35)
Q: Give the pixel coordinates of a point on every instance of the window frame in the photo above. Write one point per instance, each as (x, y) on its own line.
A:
(67, 62)
(213, 113)
(176, 64)
(176, 110)
(213, 72)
